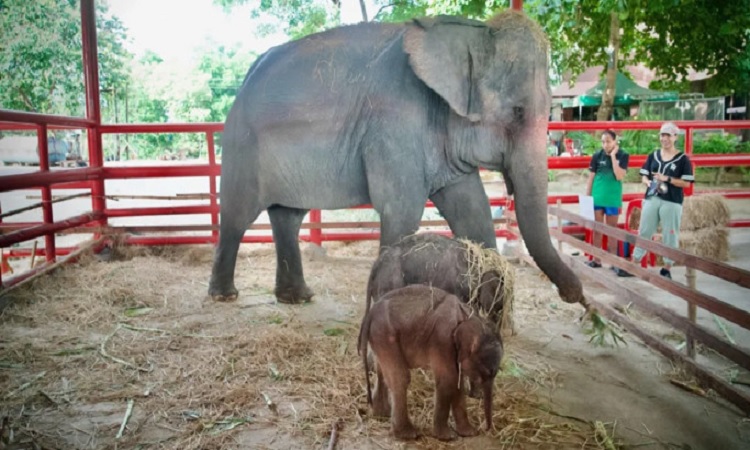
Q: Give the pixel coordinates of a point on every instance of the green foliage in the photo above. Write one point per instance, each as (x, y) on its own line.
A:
(639, 142)
(587, 142)
(40, 55)
(226, 68)
(668, 37)
(719, 143)
(298, 17)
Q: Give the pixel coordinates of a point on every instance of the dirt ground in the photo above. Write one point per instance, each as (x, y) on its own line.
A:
(80, 346)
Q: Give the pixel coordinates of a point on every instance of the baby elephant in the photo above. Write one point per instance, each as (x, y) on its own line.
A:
(479, 277)
(424, 327)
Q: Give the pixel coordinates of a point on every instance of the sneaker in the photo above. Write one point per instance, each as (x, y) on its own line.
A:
(593, 264)
(621, 273)
(665, 273)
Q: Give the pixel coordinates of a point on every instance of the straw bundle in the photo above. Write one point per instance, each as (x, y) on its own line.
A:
(711, 243)
(480, 261)
(704, 211)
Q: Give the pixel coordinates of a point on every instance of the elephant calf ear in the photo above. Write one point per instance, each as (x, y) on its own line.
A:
(442, 55)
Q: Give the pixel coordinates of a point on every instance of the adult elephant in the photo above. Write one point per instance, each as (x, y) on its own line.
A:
(392, 115)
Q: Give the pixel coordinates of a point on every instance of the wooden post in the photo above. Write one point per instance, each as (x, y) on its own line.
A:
(689, 341)
(33, 254)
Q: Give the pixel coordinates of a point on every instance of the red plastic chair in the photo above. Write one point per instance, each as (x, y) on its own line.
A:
(650, 258)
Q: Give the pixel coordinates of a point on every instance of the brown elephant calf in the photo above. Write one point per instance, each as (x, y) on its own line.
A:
(424, 327)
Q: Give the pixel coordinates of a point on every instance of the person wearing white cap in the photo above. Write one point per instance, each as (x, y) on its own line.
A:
(666, 172)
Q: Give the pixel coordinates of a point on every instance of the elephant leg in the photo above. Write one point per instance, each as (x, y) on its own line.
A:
(290, 281)
(396, 375)
(464, 428)
(398, 219)
(465, 206)
(236, 217)
(381, 406)
(445, 392)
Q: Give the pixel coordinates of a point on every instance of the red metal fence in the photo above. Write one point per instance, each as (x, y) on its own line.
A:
(92, 178)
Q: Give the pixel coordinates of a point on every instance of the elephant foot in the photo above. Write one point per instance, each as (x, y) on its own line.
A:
(405, 432)
(444, 433)
(223, 295)
(466, 430)
(294, 295)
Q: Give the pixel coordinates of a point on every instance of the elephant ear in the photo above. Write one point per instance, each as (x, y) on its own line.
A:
(446, 54)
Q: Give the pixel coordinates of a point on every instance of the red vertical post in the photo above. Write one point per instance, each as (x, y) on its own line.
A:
(212, 185)
(689, 152)
(93, 112)
(316, 234)
(516, 4)
(49, 238)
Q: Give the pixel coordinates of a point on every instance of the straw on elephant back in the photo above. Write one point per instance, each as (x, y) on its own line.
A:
(482, 260)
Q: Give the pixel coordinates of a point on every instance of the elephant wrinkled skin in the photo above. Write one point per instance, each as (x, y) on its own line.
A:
(391, 115)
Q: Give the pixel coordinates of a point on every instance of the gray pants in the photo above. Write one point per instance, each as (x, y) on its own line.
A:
(655, 211)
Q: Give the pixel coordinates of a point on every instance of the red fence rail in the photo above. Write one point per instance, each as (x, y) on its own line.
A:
(93, 178)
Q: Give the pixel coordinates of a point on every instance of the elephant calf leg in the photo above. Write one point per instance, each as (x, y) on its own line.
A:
(463, 426)
(381, 406)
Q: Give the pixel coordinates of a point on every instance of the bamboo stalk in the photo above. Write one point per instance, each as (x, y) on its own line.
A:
(40, 204)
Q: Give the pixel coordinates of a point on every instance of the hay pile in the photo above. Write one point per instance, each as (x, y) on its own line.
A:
(704, 211)
(703, 229)
(77, 346)
(480, 261)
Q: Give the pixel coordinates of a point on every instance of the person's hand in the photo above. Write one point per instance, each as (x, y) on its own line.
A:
(613, 154)
(646, 181)
(661, 177)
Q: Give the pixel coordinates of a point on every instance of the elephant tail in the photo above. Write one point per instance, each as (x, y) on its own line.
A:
(362, 340)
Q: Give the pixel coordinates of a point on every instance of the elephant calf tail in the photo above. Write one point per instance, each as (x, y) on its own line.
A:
(362, 340)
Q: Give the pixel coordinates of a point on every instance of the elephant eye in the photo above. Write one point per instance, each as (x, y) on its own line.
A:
(518, 113)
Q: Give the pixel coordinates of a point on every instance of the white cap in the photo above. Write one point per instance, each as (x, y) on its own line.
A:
(669, 128)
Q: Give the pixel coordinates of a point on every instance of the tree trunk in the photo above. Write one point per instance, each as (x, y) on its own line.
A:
(363, 8)
(608, 97)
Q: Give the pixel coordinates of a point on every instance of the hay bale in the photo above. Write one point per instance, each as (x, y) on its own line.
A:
(704, 211)
(711, 243)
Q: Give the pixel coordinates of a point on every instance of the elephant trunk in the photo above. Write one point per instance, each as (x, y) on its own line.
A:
(528, 173)
(487, 394)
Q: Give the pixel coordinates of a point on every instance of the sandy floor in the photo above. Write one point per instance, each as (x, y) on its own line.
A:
(199, 373)
(78, 346)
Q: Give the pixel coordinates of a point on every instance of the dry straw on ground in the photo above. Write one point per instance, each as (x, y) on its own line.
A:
(77, 346)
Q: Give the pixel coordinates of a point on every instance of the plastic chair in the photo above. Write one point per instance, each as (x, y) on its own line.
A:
(650, 258)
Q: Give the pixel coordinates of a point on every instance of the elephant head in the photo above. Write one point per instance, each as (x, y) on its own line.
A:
(494, 76)
(480, 351)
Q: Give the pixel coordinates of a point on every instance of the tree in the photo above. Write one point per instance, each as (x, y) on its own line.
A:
(41, 68)
(299, 17)
(225, 69)
(667, 36)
